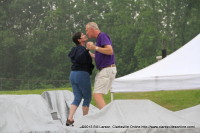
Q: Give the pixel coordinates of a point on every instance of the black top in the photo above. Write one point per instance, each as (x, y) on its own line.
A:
(81, 59)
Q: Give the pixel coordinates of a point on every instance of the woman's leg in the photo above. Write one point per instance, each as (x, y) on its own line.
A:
(85, 86)
(77, 94)
(85, 110)
(71, 112)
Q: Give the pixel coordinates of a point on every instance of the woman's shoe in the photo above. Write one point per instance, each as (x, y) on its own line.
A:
(69, 123)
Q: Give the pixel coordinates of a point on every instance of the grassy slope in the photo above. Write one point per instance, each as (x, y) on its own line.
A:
(173, 100)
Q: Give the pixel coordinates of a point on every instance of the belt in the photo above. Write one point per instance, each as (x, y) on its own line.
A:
(113, 65)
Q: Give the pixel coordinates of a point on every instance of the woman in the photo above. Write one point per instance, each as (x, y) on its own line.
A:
(81, 70)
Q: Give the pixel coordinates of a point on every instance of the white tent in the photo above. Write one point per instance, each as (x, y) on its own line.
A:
(179, 70)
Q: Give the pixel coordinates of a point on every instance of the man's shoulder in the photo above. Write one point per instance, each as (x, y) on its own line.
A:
(103, 34)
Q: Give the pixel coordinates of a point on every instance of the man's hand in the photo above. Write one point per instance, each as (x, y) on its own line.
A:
(107, 49)
(90, 46)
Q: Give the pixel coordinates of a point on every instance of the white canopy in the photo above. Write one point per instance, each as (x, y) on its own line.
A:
(179, 70)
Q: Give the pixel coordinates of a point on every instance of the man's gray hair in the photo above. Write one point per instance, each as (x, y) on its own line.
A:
(92, 25)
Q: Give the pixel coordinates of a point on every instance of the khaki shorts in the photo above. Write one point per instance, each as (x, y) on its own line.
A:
(103, 80)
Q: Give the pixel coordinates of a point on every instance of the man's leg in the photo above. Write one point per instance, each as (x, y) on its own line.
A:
(100, 102)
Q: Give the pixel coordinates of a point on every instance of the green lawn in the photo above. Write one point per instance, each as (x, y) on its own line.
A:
(172, 100)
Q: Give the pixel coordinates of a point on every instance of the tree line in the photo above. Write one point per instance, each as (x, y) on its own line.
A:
(35, 36)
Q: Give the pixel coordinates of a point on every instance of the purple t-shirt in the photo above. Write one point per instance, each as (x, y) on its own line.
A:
(103, 60)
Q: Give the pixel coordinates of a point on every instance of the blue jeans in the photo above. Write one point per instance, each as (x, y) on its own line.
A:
(81, 85)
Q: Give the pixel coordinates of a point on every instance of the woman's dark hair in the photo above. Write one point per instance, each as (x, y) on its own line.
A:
(75, 38)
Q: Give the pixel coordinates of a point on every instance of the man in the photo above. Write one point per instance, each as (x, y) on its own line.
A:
(105, 62)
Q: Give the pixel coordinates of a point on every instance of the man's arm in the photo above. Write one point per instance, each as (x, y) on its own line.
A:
(107, 49)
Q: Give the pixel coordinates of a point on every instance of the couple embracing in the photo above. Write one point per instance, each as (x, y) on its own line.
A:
(82, 67)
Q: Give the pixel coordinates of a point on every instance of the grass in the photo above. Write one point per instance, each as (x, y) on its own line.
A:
(172, 100)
